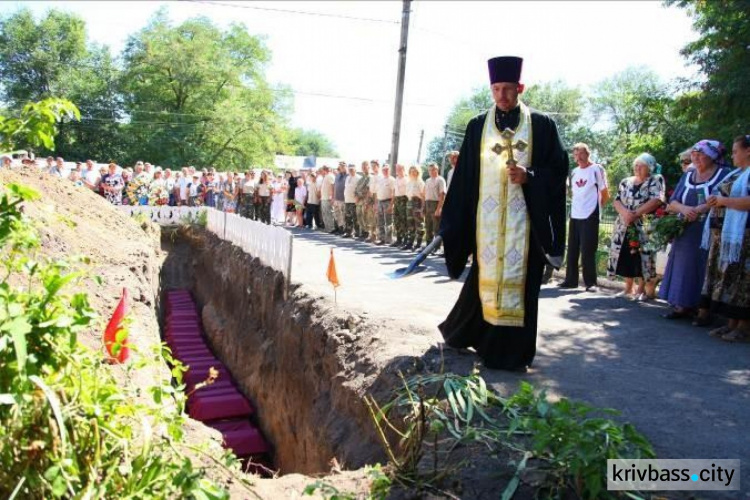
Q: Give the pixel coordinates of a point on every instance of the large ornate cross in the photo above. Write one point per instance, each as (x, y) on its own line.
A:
(509, 145)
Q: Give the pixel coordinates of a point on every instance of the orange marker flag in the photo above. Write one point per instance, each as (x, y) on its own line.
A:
(331, 273)
(115, 335)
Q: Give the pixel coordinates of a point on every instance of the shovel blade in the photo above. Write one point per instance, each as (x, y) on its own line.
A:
(405, 271)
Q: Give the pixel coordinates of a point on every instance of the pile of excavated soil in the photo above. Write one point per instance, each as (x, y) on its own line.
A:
(122, 253)
(74, 222)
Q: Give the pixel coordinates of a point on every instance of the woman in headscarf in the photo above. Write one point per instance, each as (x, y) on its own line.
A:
(637, 196)
(686, 160)
(686, 266)
(726, 289)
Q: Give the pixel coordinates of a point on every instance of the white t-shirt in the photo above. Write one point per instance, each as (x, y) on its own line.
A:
(313, 194)
(326, 190)
(300, 194)
(349, 186)
(401, 186)
(92, 177)
(374, 182)
(248, 186)
(386, 187)
(433, 188)
(183, 185)
(415, 188)
(585, 183)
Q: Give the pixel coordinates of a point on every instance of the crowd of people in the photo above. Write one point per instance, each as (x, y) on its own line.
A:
(368, 203)
(708, 268)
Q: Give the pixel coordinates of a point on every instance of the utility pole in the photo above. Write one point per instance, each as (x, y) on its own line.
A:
(400, 83)
(419, 151)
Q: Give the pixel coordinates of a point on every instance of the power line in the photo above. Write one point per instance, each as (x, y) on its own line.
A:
(290, 11)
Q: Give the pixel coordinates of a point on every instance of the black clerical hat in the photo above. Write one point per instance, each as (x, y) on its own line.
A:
(505, 69)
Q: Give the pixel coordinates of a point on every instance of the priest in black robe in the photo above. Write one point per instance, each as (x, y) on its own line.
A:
(507, 345)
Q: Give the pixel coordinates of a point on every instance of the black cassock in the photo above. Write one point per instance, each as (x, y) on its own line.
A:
(503, 347)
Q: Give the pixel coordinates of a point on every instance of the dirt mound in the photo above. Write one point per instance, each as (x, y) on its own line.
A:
(74, 222)
(114, 251)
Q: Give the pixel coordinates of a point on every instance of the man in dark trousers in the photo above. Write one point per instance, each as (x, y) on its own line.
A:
(506, 209)
(588, 185)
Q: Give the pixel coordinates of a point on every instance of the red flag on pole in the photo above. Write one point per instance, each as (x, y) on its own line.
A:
(115, 335)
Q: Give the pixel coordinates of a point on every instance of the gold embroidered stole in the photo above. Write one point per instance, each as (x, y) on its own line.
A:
(503, 226)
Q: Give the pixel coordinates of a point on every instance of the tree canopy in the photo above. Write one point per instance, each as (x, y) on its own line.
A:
(722, 52)
(188, 93)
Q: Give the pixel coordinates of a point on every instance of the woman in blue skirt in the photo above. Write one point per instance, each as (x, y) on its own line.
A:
(686, 266)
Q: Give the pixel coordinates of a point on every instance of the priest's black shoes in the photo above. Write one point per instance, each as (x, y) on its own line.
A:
(566, 285)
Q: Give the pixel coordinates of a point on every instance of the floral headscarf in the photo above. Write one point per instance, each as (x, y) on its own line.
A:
(713, 149)
(650, 161)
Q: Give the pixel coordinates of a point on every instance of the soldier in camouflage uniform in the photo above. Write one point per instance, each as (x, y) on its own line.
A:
(351, 228)
(414, 209)
(399, 207)
(362, 194)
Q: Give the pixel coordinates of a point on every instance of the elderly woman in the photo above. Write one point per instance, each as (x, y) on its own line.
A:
(726, 289)
(112, 185)
(686, 160)
(637, 196)
(686, 267)
(230, 190)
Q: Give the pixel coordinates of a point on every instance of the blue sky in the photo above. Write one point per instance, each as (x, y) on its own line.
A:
(449, 42)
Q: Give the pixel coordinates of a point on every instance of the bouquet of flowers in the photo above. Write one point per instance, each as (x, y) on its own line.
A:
(136, 191)
(158, 195)
(663, 231)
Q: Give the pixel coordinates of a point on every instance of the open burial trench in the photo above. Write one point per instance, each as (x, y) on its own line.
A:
(305, 367)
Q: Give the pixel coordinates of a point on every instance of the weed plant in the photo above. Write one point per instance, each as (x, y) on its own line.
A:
(68, 427)
(568, 442)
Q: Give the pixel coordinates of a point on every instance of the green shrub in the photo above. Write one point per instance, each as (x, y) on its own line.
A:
(68, 427)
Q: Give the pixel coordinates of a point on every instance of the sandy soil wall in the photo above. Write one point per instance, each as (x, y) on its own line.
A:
(305, 365)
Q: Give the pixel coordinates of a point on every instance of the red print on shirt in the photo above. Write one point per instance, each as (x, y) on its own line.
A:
(581, 182)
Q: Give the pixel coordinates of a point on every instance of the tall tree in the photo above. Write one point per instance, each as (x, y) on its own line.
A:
(197, 94)
(566, 104)
(464, 110)
(36, 58)
(639, 114)
(50, 58)
(722, 52)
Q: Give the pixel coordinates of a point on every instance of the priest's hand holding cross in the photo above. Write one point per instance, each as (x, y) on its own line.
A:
(516, 173)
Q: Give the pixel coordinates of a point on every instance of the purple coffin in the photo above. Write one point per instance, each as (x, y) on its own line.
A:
(208, 407)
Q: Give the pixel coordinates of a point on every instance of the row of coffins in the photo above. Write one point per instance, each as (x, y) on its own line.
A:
(212, 396)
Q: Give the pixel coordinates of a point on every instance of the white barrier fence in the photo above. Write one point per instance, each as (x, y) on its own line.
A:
(163, 214)
(272, 245)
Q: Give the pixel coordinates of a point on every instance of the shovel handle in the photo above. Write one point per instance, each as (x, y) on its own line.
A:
(423, 254)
